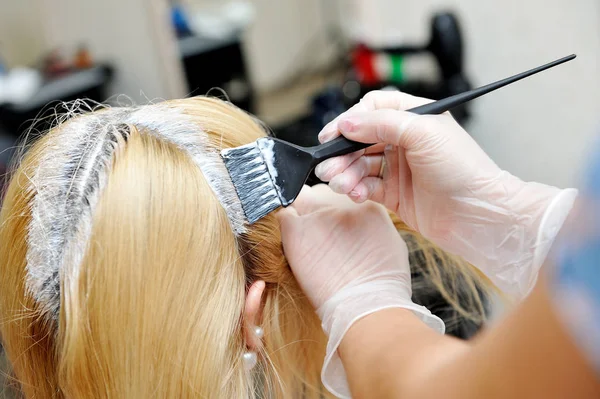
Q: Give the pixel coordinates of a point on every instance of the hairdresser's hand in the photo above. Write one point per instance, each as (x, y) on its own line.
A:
(441, 183)
(350, 261)
(331, 242)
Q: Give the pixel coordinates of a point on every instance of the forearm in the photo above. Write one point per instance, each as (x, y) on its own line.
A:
(390, 355)
(387, 353)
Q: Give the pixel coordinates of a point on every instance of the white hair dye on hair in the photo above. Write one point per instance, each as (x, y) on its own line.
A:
(67, 184)
(172, 125)
(72, 174)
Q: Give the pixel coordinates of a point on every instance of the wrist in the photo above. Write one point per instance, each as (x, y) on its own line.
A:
(345, 308)
(540, 211)
(511, 230)
(525, 203)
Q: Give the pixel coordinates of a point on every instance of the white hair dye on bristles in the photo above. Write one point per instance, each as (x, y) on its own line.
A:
(266, 149)
(72, 174)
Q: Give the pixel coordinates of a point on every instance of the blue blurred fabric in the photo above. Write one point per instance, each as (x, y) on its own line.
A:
(576, 281)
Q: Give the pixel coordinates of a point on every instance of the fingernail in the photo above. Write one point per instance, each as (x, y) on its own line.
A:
(323, 170)
(348, 125)
(325, 136)
(337, 184)
(327, 132)
(354, 195)
(320, 171)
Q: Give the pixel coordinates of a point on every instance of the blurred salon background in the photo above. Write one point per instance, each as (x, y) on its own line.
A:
(299, 63)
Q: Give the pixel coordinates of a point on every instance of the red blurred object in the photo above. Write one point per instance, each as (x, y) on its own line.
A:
(54, 64)
(363, 60)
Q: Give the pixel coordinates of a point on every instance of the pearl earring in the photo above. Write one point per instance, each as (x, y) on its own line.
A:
(250, 358)
(259, 332)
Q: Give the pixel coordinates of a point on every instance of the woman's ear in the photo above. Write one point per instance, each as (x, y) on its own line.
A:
(252, 314)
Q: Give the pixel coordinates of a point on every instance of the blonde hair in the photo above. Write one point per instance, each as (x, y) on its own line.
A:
(155, 306)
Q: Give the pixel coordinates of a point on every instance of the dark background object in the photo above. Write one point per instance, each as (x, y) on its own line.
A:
(211, 64)
(446, 44)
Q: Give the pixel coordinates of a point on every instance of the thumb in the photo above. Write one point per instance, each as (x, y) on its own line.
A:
(378, 126)
(289, 220)
(307, 201)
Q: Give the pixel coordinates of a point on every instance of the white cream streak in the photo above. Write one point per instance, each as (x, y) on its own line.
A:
(172, 125)
(72, 174)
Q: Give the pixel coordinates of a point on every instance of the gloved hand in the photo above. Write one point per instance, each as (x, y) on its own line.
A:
(441, 183)
(350, 261)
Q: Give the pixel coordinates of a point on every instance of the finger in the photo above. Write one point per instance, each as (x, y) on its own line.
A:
(322, 190)
(369, 188)
(312, 199)
(374, 100)
(390, 99)
(304, 201)
(289, 222)
(381, 126)
(286, 213)
(327, 197)
(364, 166)
(330, 131)
(326, 170)
(375, 149)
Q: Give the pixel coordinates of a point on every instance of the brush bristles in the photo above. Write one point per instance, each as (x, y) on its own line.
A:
(252, 181)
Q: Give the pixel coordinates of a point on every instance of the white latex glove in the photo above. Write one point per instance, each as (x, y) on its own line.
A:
(351, 262)
(441, 183)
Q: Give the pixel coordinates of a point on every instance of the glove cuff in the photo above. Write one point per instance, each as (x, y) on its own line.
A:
(351, 304)
(506, 232)
(551, 223)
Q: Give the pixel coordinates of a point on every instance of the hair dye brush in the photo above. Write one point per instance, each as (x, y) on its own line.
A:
(270, 173)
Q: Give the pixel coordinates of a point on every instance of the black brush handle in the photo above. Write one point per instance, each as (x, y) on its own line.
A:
(343, 146)
(448, 103)
(336, 147)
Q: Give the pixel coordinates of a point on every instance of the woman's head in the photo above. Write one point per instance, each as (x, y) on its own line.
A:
(125, 275)
(127, 271)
